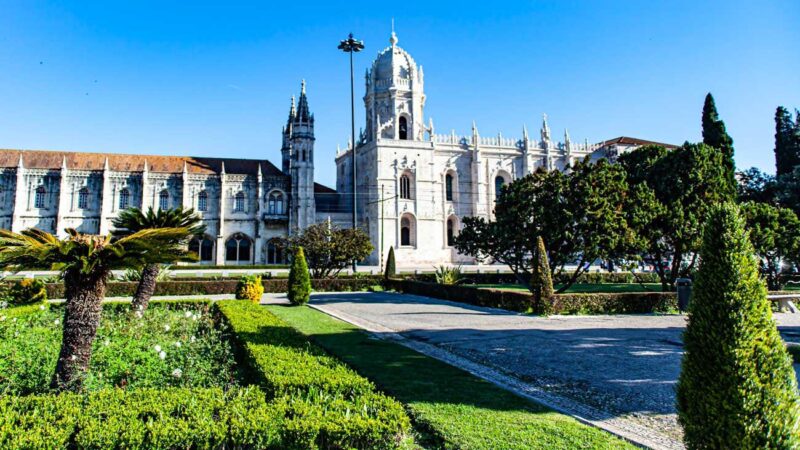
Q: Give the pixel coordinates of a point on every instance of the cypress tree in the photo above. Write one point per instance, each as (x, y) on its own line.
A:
(542, 280)
(787, 142)
(715, 135)
(737, 388)
(299, 281)
(391, 270)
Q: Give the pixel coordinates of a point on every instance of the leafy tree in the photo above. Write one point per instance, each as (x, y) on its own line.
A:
(330, 249)
(580, 215)
(299, 281)
(671, 193)
(757, 186)
(787, 141)
(391, 270)
(133, 220)
(85, 262)
(775, 235)
(541, 281)
(715, 135)
(787, 188)
(737, 388)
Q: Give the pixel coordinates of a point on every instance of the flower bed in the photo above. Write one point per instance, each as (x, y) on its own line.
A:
(170, 379)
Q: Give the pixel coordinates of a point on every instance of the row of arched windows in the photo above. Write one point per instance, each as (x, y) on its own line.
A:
(408, 230)
(407, 192)
(275, 200)
(238, 249)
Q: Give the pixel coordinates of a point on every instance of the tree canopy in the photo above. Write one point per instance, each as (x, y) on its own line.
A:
(329, 249)
(715, 135)
(775, 235)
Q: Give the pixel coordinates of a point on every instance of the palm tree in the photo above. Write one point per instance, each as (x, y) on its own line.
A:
(134, 219)
(85, 262)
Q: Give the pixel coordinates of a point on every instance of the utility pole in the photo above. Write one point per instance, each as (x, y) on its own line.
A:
(351, 45)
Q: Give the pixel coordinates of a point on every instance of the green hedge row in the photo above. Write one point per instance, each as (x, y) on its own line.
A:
(339, 408)
(585, 278)
(228, 286)
(519, 301)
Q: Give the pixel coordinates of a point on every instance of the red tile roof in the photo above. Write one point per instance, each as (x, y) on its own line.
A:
(39, 159)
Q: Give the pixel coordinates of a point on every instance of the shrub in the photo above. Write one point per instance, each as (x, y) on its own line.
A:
(299, 282)
(737, 388)
(27, 291)
(448, 275)
(391, 270)
(250, 288)
(541, 281)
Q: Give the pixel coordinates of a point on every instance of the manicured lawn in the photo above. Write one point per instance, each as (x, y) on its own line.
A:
(591, 288)
(451, 408)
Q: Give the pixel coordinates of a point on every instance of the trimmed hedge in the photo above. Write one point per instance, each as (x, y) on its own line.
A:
(334, 406)
(228, 286)
(586, 278)
(519, 301)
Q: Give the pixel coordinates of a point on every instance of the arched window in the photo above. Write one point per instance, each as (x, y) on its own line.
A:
(237, 248)
(275, 203)
(275, 253)
(452, 228)
(203, 246)
(499, 182)
(202, 201)
(405, 187)
(83, 198)
(39, 197)
(407, 230)
(403, 128)
(124, 198)
(448, 187)
(163, 200)
(238, 202)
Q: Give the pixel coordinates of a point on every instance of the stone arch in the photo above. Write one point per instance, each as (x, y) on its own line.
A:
(238, 249)
(408, 230)
(452, 227)
(203, 246)
(407, 186)
(276, 202)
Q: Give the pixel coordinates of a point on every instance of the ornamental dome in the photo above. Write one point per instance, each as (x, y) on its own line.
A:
(393, 66)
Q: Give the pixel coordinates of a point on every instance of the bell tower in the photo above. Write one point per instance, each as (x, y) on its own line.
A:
(297, 154)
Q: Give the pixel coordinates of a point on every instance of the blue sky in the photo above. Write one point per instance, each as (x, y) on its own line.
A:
(214, 78)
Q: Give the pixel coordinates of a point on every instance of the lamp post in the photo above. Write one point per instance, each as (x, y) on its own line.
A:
(351, 45)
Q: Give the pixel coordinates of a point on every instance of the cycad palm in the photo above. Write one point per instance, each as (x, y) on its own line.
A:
(134, 219)
(85, 262)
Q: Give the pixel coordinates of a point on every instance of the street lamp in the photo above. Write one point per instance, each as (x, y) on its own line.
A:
(350, 45)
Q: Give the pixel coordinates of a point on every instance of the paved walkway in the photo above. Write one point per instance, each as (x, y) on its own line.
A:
(617, 372)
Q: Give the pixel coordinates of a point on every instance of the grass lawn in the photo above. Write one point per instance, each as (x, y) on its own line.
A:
(589, 288)
(451, 408)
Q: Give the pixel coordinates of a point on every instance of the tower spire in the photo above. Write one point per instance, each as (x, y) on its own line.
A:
(393, 38)
(545, 129)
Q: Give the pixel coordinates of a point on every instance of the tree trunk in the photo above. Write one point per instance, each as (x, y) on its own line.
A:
(146, 287)
(84, 295)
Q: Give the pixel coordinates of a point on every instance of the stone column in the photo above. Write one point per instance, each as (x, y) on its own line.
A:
(20, 195)
(64, 200)
(106, 198)
(221, 229)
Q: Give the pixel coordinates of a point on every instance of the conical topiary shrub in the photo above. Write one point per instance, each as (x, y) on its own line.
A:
(299, 281)
(737, 388)
(541, 280)
(390, 271)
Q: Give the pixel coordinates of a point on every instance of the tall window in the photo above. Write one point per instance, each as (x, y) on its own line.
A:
(275, 254)
(499, 182)
(403, 128)
(38, 199)
(448, 187)
(83, 198)
(405, 187)
(163, 200)
(451, 231)
(275, 203)
(202, 201)
(124, 198)
(237, 248)
(203, 247)
(407, 230)
(238, 202)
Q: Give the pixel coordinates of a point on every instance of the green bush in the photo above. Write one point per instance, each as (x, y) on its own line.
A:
(330, 406)
(391, 270)
(250, 288)
(299, 280)
(448, 275)
(737, 388)
(541, 281)
(27, 291)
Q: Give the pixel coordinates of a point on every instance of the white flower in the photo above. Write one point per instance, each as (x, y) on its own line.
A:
(162, 355)
(177, 373)
(139, 314)
(106, 342)
(193, 339)
(187, 314)
(2, 318)
(73, 357)
(14, 319)
(178, 344)
(140, 307)
(57, 321)
(157, 348)
(166, 327)
(41, 307)
(195, 316)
